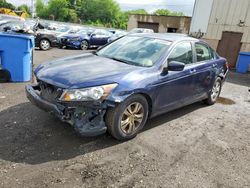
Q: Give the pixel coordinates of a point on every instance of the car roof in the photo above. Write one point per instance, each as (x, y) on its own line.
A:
(172, 37)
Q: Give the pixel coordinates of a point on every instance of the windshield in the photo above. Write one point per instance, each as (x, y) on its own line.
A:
(84, 31)
(139, 51)
(63, 29)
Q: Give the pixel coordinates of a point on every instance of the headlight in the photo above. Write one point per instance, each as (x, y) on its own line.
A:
(75, 39)
(88, 94)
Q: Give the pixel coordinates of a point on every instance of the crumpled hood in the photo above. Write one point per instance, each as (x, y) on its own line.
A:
(83, 71)
(49, 32)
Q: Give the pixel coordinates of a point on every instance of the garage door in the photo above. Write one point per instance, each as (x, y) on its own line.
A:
(148, 25)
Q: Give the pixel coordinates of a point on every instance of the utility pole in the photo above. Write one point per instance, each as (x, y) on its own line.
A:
(32, 8)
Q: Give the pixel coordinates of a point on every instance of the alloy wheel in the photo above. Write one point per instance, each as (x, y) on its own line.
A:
(215, 91)
(44, 44)
(84, 45)
(132, 118)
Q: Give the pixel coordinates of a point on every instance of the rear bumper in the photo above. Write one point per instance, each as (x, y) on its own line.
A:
(87, 121)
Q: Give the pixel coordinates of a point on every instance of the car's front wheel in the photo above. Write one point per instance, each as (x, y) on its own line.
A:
(84, 45)
(44, 44)
(214, 93)
(127, 118)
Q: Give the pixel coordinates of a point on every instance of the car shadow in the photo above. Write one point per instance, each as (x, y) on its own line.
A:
(29, 135)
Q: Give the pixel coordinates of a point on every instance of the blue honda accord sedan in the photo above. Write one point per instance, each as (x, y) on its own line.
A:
(118, 87)
(85, 39)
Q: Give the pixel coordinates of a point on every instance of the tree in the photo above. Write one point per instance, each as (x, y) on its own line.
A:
(24, 8)
(4, 4)
(138, 11)
(162, 12)
(177, 14)
(104, 11)
(165, 12)
(41, 10)
(59, 9)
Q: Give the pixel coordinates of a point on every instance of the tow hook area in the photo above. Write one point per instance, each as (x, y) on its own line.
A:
(89, 122)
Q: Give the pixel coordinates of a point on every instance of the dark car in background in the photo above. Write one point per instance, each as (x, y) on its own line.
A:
(45, 39)
(128, 81)
(86, 38)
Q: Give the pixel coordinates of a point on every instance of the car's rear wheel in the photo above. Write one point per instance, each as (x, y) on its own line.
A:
(44, 44)
(84, 45)
(127, 118)
(214, 93)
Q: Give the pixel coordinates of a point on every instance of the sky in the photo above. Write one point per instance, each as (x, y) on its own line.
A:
(185, 6)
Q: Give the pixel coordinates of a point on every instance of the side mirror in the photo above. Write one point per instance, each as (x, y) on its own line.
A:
(7, 28)
(92, 35)
(174, 66)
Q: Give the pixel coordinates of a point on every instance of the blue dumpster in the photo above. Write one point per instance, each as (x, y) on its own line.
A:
(243, 62)
(16, 51)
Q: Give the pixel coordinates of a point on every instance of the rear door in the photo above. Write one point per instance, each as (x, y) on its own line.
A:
(105, 37)
(205, 67)
(99, 37)
(95, 38)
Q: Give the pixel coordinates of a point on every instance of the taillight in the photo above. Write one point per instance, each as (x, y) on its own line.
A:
(227, 65)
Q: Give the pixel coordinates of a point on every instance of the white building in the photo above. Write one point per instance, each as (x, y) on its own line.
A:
(224, 24)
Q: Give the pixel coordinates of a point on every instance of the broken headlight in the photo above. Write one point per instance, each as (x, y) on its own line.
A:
(88, 94)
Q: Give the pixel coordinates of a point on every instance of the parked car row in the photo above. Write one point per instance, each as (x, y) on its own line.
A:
(63, 35)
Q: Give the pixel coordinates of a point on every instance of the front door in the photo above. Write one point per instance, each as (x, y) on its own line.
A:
(176, 88)
(229, 46)
(99, 37)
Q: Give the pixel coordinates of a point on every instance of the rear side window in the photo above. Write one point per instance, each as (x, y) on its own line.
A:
(182, 53)
(203, 52)
(214, 54)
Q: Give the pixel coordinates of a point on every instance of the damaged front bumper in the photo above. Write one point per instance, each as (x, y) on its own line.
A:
(86, 117)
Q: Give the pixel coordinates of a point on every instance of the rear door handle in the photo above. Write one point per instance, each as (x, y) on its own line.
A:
(214, 65)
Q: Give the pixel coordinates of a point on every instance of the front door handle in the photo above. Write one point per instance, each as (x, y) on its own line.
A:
(214, 65)
(192, 70)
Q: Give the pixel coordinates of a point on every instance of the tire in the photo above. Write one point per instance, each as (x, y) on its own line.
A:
(138, 105)
(44, 44)
(214, 93)
(84, 45)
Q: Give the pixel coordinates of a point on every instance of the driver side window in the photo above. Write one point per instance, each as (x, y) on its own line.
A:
(182, 53)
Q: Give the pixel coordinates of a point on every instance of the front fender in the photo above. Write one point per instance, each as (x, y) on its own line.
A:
(123, 95)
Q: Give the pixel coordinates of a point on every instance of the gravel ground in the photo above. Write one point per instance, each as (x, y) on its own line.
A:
(195, 146)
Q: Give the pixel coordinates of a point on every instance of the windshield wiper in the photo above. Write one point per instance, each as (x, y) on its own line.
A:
(123, 61)
(94, 52)
(120, 60)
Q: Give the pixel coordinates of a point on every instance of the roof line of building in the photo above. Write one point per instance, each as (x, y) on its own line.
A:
(159, 15)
